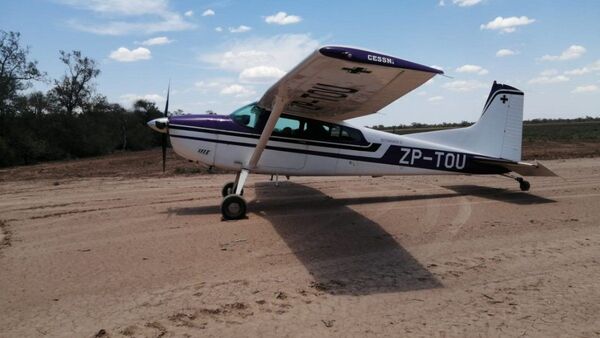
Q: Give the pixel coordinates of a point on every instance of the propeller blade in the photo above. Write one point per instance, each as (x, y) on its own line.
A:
(167, 103)
(165, 136)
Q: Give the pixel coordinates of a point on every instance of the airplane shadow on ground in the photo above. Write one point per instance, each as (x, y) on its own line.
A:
(499, 194)
(344, 251)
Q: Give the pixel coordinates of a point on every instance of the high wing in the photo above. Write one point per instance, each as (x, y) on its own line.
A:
(338, 83)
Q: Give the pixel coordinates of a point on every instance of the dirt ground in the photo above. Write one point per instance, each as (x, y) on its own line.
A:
(87, 254)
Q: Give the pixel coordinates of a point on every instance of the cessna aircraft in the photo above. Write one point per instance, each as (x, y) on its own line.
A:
(297, 128)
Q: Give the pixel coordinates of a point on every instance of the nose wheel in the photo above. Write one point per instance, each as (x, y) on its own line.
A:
(233, 207)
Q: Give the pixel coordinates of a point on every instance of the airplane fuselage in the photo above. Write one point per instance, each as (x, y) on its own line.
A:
(223, 141)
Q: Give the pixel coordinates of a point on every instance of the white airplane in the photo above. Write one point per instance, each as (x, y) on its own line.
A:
(297, 128)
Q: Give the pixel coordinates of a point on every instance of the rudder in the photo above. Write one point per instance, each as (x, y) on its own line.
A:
(500, 127)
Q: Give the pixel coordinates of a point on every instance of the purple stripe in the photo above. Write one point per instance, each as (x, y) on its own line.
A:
(210, 121)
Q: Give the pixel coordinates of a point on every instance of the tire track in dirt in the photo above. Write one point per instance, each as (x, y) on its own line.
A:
(5, 235)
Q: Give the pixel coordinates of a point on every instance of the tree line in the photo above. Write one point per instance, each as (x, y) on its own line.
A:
(462, 124)
(71, 119)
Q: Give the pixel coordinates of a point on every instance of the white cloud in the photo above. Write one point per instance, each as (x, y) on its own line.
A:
(464, 86)
(472, 69)
(442, 3)
(208, 12)
(466, 3)
(573, 52)
(206, 85)
(159, 40)
(225, 86)
(585, 89)
(261, 74)
(435, 98)
(239, 29)
(125, 55)
(121, 7)
(130, 99)
(213, 85)
(282, 18)
(189, 13)
(594, 67)
(218, 29)
(280, 51)
(152, 16)
(122, 28)
(237, 90)
(507, 25)
(505, 52)
(549, 72)
(549, 77)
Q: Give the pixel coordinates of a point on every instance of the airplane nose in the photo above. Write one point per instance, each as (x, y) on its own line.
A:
(160, 125)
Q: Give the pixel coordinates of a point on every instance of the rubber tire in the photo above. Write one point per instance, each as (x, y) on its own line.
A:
(228, 189)
(524, 185)
(233, 207)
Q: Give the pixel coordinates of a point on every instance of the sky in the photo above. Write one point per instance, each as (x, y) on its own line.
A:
(220, 55)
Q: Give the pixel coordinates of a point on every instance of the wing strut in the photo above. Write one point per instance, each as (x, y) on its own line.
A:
(267, 131)
(278, 105)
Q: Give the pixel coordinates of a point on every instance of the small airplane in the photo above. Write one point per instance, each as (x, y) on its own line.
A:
(297, 128)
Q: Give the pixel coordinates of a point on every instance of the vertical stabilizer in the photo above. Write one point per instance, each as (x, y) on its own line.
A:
(500, 128)
(498, 132)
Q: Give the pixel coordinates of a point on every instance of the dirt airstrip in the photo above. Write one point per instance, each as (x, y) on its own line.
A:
(148, 255)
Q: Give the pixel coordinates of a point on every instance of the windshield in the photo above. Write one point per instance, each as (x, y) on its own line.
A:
(250, 116)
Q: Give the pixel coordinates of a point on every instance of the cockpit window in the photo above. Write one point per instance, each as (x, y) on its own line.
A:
(249, 116)
(254, 117)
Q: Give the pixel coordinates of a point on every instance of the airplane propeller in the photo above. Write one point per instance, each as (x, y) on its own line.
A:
(165, 135)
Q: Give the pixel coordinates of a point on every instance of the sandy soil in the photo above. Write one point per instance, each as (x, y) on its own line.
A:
(393, 256)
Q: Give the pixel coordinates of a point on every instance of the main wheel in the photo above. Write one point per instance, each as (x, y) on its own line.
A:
(233, 207)
(228, 189)
(524, 185)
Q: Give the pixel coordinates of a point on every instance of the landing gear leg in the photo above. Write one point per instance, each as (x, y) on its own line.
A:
(234, 205)
(229, 189)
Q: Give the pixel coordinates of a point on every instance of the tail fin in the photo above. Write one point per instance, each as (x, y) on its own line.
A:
(498, 132)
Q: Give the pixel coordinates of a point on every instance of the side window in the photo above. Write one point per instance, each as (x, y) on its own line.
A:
(287, 127)
(336, 132)
(317, 131)
(345, 134)
(351, 135)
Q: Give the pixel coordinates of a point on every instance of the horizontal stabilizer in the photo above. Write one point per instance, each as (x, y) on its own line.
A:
(521, 168)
